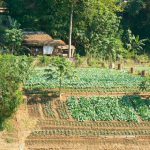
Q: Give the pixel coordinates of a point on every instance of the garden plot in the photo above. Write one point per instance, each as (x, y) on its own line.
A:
(90, 80)
(47, 109)
(127, 108)
(33, 107)
(88, 143)
(92, 110)
(125, 124)
(131, 108)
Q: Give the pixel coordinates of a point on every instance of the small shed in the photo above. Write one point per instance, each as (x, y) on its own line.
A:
(65, 49)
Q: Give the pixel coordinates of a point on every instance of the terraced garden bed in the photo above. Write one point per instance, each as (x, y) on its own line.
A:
(110, 143)
(127, 108)
(105, 108)
(88, 133)
(91, 80)
(89, 124)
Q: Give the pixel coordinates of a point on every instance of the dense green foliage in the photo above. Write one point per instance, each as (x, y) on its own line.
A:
(87, 16)
(13, 40)
(90, 79)
(126, 108)
(4, 20)
(2, 3)
(96, 24)
(103, 38)
(14, 71)
(136, 16)
(142, 107)
(134, 44)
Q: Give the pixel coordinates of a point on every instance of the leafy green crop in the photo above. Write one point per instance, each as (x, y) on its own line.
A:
(142, 106)
(90, 79)
(126, 108)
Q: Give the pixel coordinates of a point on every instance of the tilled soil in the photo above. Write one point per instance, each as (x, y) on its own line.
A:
(50, 135)
(89, 144)
(57, 133)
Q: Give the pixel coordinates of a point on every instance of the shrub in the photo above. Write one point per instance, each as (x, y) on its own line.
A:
(44, 60)
(14, 72)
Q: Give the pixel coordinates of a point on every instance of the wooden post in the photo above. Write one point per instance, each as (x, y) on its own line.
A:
(119, 67)
(132, 70)
(143, 73)
(73, 50)
(111, 66)
(103, 65)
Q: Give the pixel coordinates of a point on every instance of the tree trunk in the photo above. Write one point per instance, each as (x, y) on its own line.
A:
(70, 31)
(12, 50)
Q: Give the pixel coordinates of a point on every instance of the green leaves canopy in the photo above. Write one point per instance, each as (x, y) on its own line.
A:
(54, 16)
(13, 39)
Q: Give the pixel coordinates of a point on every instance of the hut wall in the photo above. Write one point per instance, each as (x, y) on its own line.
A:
(36, 51)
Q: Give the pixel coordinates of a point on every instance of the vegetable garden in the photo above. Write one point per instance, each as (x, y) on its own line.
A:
(105, 118)
(125, 108)
(90, 80)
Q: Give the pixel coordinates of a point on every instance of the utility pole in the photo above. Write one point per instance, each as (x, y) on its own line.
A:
(70, 30)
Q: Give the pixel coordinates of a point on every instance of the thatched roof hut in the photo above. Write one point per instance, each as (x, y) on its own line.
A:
(41, 39)
(41, 43)
(57, 43)
(37, 39)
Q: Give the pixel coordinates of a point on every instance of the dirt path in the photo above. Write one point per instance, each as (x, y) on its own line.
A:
(90, 144)
(23, 126)
(65, 96)
(40, 111)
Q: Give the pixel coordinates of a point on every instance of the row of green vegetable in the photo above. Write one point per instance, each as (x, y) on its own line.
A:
(127, 108)
(91, 79)
(97, 124)
(87, 133)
